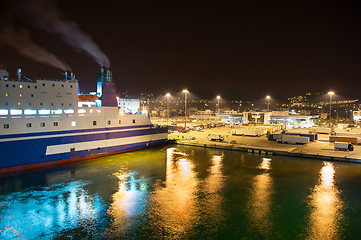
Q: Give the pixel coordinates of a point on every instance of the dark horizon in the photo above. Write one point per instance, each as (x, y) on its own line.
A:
(244, 51)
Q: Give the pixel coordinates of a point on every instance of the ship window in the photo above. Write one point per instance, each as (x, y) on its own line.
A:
(4, 112)
(62, 104)
(36, 87)
(52, 104)
(133, 120)
(20, 95)
(28, 125)
(29, 86)
(13, 85)
(19, 103)
(72, 149)
(94, 123)
(41, 104)
(73, 123)
(69, 104)
(7, 85)
(29, 112)
(53, 85)
(42, 124)
(109, 122)
(120, 121)
(43, 84)
(32, 95)
(56, 124)
(71, 86)
(6, 103)
(6, 125)
(21, 86)
(29, 103)
(62, 85)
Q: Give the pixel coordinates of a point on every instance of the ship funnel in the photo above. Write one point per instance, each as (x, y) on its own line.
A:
(19, 74)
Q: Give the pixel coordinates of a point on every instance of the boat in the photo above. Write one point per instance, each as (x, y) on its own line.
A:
(46, 122)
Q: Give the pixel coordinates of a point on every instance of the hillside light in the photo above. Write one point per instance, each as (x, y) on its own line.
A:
(185, 108)
(218, 97)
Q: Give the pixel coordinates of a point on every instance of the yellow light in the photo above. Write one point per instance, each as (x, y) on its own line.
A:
(218, 97)
(331, 93)
(6, 94)
(19, 103)
(268, 96)
(185, 91)
(21, 86)
(167, 95)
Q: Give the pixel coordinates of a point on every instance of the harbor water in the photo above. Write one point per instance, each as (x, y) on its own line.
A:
(180, 192)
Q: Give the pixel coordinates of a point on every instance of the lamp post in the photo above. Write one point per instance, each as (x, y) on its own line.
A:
(167, 95)
(268, 98)
(218, 97)
(330, 93)
(185, 108)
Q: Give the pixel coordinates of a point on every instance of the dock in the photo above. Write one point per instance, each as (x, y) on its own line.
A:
(321, 149)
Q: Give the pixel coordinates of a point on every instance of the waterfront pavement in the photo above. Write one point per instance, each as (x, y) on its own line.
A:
(321, 149)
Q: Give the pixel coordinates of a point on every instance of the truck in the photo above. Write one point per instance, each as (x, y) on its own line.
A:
(344, 146)
(215, 137)
(292, 139)
(252, 132)
(310, 135)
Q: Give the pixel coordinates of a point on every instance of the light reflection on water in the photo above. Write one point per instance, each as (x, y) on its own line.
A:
(183, 193)
(46, 212)
(260, 199)
(173, 204)
(326, 206)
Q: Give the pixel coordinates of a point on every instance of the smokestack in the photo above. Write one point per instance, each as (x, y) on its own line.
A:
(19, 74)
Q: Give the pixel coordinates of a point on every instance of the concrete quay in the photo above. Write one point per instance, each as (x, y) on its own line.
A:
(321, 149)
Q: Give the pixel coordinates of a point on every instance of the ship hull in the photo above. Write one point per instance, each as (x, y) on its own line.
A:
(23, 151)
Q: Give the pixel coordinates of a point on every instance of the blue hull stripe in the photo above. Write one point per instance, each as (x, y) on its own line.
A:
(69, 131)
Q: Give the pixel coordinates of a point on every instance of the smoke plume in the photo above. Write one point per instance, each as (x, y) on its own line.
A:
(20, 41)
(45, 15)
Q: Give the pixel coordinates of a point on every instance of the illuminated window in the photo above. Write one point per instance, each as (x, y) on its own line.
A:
(69, 111)
(29, 112)
(73, 123)
(16, 112)
(4, 112)
(28, 125)
(6, 125)
(20, 95)
(81, 111)
(6, 94)
(56, 124)
(29, 103)
(19, 103)
(21, 86)
(94, 123)
(44, 111)
(109, 122)
(42, 124)
(58, 111)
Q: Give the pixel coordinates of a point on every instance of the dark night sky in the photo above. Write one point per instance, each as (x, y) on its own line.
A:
(242, 51)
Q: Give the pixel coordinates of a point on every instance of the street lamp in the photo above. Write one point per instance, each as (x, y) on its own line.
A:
(330, 93)
(185, 108)
(218, 97)
(167, 95)
(268, 98)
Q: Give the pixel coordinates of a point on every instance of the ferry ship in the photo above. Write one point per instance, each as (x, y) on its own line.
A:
(46, 122)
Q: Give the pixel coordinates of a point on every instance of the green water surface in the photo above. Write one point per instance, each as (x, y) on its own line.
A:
(178, 192)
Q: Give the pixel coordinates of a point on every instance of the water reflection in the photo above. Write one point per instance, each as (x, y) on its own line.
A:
(212, 190)
(260, 199)
(45, 213)
(174, 209)
(127, 204)
(326, 206)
